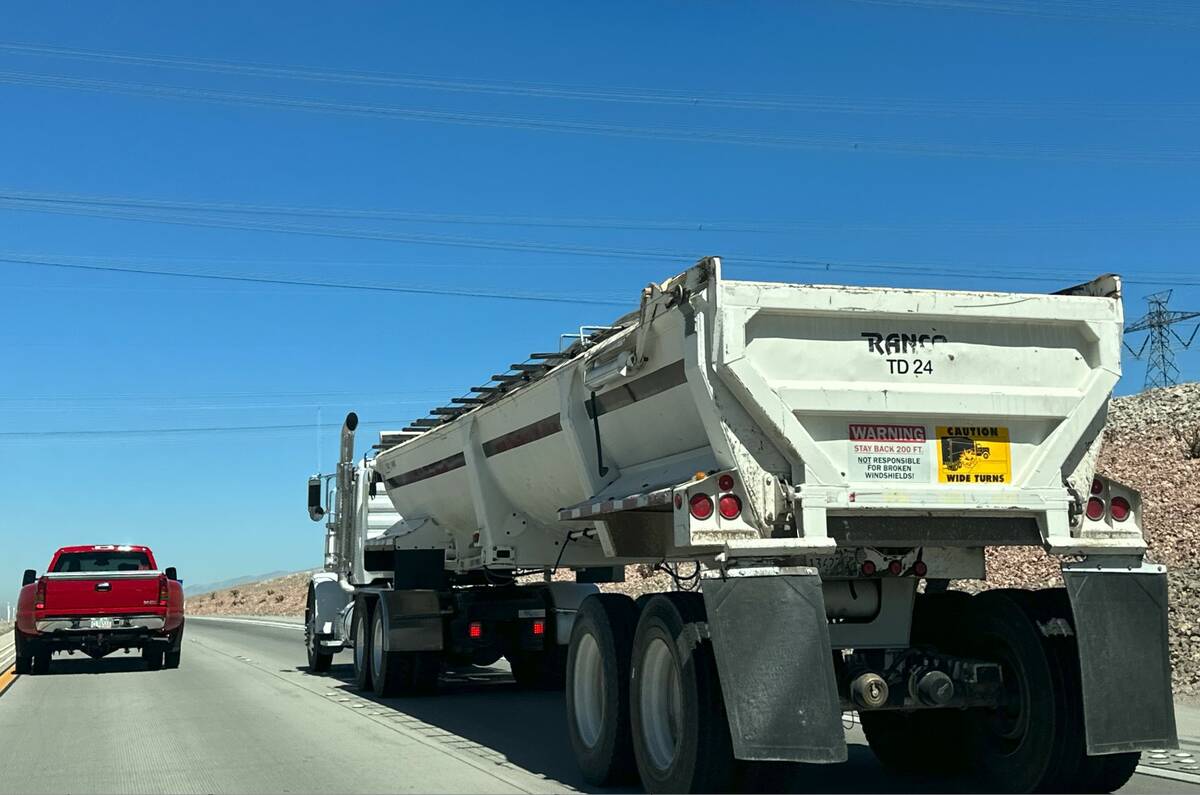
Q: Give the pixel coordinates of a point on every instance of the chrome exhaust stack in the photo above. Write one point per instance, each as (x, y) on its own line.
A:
(343, 520)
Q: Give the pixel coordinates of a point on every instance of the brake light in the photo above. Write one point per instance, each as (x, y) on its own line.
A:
(701, 506)
(539, 626)
(1095, 509)
(475, 630)
(163, 592)
(1120, 509)
(731, 506)
(725, 482)
(40, 598)
(920, 569)
(1097, 485)
(868, 568)
(895, 568)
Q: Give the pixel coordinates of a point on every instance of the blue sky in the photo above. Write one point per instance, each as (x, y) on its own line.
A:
(906, 142)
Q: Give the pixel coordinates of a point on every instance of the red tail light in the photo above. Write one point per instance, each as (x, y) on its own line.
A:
(701, 506)
(1095, 509)
(868, 568)
(40, 598)
(1120, 509)
(920, 569)
(163, 592)
(1097, 485)
(895, 568)
(725, 482)
(730, 506)
(539, 626)
(475, 630)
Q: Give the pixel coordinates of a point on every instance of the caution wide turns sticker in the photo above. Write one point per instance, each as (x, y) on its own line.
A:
(973, 454)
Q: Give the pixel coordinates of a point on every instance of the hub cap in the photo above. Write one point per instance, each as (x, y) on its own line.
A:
(588, 691)
(660, 697)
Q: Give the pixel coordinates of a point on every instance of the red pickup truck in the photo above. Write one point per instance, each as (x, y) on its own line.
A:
(97, 599)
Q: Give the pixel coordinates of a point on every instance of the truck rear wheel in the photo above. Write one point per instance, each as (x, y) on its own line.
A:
(173, 653)
(360, 631)
(1013, 747)
(680, 731)
(24, 661)
(597, 689)
(395, 673)
(41, 662)
(152, 655)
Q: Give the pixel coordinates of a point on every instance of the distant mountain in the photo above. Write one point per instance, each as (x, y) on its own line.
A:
(193, 590)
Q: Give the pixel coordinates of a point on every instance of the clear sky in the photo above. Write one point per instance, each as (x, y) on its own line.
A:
(559, 150)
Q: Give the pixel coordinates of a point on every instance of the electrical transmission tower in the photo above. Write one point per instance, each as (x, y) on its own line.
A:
(1162, 339)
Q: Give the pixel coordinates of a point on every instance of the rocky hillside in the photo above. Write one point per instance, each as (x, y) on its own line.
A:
(1152, 444)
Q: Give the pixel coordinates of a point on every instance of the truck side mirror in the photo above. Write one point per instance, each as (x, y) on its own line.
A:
(171, 573)
(315, 511)
(28, 578)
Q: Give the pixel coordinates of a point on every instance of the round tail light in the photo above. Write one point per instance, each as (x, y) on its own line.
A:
(1097, 485)
(701, 506)
(920, 569)
(1095, 509)
(868, 568)
(730, 506)
(895, 567)
(1120, 509)
(725, 482)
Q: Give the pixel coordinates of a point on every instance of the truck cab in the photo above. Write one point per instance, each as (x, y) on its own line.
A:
(97, 599)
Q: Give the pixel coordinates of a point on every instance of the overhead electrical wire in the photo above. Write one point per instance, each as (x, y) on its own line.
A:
(1095, 11)
(51, 199)
(135, 432)
(839, 143)
(970, 106)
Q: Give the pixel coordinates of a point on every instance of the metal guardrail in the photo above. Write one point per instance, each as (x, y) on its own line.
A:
(8, 650)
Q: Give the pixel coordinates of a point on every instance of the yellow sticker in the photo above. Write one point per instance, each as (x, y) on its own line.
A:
(973, 454)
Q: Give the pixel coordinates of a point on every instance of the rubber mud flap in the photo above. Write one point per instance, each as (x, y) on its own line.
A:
(771, 639)
(1121, 624)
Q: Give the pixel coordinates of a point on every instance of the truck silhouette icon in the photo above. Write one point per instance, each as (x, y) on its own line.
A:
(962, 452)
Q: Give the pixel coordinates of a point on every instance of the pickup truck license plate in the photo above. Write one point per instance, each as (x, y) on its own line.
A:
(102, 623)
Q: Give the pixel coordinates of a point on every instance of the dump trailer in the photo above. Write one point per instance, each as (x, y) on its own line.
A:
(813, 465)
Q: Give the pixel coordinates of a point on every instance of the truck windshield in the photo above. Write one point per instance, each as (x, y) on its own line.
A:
(102, 561)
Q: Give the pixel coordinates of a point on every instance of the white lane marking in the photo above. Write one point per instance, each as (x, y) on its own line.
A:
(259, 621)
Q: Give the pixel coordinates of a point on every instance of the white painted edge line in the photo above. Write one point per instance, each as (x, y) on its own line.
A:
(1174, 775)
(259, 621)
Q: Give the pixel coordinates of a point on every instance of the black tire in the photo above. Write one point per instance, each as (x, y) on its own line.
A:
(152, 655)
(669, 647)
(174, 652)
(540, 670)
(1076, 771)
(24, 661)
(396, 673)
(1012, 748)
(605, 756)
(41, 662)
(319, 660)
(360, 630)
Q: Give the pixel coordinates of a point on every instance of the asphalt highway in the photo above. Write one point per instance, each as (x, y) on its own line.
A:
(243, 715)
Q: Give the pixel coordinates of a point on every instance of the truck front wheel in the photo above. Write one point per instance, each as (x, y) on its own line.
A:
(597, 689)
(680, 730)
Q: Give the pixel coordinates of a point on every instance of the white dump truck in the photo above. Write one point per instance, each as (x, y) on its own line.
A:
(813, 464)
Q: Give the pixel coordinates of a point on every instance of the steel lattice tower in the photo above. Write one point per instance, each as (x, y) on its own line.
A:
(1162, 339)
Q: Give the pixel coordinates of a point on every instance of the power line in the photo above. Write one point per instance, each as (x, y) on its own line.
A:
(457, 293)
(152, 432)
(1047, 9)
(1163, 339)
(846, 144)
(579, 222)
(609, 94)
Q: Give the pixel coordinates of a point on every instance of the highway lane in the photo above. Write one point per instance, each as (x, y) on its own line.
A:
(242, 714)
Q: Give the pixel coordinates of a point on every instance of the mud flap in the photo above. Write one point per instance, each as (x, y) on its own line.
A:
(1121, 625)
(771, 640)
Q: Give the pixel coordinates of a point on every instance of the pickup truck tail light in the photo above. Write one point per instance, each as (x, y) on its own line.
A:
(162, 591)
(40, 598)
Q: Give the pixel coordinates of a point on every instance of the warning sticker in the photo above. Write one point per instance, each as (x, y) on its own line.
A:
(973, 454)
(888, 452)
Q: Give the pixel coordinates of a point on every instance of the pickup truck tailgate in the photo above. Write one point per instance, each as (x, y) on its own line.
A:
(96, 593)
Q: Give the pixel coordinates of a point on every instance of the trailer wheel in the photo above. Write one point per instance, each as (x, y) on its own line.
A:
(930, 740)
(319, 660)
(1011, 748)
(597, 689)
(1076, 771)
(360, 632)
(680, 732)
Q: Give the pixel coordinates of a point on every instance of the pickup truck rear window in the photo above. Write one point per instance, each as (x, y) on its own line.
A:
(102, 561)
